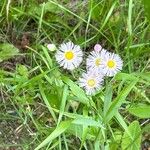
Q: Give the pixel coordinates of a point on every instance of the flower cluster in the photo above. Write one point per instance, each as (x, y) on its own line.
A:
(99, 63)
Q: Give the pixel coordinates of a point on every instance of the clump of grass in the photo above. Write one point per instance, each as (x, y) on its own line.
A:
(41, 105)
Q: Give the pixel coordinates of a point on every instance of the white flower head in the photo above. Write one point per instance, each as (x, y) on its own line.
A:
(69, 56)
(95, 59)
(112, 64)
(51, 47)
(91, 82)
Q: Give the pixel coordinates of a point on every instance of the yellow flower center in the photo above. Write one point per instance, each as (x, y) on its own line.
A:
(97, 62)
(69, 55)
(91, 82)
(111, 63)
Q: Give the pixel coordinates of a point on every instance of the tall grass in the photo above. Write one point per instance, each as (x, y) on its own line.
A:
(41, 106)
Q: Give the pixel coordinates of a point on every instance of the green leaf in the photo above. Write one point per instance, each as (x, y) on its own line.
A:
(146, 128)
(35, 9)
(63, 103)
(87, 122)
(58, 131)
(76, 130)
(51, 7)
(76, 90)
(23, 70)
(147, 7)
(53, 100)
(145, 76)
(118, 101)
(108, 98)
(44, 96)
(125, 77)
(132, 143)
(95, 7)
(7, 51)
(141, 77)
(108, 15)
(141, 110)
(49, 60)
(122, 123)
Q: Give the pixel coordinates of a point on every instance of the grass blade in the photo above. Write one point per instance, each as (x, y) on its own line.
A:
(63, 102)
(58, 131)
(130, 17)
(107, 98)
(76, 90)
(118, 101)
(47, 102)
(108, 15)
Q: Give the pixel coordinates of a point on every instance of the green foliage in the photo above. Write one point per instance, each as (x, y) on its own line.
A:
(23, 71)
(147, 8)
(60, 129)
(132, 141)
(76, 90)
(140, 110)
(119, 100)
(41, 103)
(7, 51)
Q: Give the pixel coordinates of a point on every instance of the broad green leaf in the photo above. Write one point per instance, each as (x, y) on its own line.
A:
(78, 124)
(147, 7)
(77, 130)
(132, 143)
(63, 126)
(118, 101)
(87, 122)
(141, 110)
(7, 51)
(76, 90)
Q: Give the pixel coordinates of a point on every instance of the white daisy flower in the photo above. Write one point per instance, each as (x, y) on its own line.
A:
(112, 64)
(95, 59)
(90, 82)
(69, 56)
